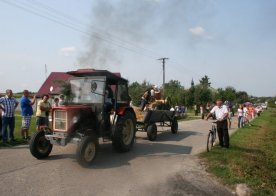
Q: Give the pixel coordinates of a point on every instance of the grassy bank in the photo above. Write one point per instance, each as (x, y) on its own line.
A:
(17, 131)
(251, 158)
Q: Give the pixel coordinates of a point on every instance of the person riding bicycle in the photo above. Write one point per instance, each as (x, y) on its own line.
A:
(221, 113)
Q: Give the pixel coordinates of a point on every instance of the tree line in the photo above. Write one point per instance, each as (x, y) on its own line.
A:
(197, 94)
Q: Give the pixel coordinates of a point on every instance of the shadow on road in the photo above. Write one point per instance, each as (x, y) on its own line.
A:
(107, 157)
(61, 156)
(166, 135)
(14, 147)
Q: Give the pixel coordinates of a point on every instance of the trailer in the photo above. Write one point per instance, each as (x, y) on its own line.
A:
(164, 118)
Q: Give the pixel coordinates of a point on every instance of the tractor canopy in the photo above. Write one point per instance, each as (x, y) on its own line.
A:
(112, 78)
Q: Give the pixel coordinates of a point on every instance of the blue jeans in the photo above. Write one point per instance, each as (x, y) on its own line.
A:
(240, 121)
(7, 122)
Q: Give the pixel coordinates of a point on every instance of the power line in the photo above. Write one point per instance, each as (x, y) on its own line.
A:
(113, 42)
(96, 30)
(163, 65)
(67, 21)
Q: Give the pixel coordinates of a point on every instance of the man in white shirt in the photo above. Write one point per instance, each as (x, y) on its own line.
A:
(221, 113)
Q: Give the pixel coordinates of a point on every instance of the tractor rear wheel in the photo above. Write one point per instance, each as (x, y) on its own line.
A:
(124, 134)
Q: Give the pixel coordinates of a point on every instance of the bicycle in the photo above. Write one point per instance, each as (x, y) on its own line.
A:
(212, 136)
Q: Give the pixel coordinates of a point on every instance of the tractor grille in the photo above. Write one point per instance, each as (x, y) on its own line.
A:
(60, 120)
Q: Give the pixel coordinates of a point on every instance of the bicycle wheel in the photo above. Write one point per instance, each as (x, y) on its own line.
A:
(210, 139)
(214, 135)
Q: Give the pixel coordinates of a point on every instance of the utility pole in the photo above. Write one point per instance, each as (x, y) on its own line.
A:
(45, 71)
(163, 63)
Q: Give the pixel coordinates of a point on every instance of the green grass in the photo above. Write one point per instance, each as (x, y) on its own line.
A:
(17, 131)
(251, 158)
(188, 116)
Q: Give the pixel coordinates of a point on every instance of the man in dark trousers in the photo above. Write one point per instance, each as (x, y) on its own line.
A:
(221, 113)
(8, 105)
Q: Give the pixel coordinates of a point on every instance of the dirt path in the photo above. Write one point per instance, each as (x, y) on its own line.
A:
(168, 166)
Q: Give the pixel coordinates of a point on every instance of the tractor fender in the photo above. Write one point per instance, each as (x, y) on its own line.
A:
(122, 110)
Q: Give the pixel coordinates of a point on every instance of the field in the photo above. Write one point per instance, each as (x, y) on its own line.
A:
(251, 158)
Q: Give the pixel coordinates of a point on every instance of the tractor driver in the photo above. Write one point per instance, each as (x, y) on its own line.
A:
(108, 99)
(108, 105)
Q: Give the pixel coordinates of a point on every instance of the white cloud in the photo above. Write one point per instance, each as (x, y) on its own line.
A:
(67, 51)
(199, 32)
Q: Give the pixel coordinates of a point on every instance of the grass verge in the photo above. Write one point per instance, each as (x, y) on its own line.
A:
(251, 158)
(17, 131)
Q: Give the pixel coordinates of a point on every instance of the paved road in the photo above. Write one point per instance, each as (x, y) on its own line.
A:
(167, 166)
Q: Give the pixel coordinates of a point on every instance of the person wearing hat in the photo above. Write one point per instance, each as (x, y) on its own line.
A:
(156, 92)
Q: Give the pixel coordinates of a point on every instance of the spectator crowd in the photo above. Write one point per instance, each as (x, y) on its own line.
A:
(8, 105)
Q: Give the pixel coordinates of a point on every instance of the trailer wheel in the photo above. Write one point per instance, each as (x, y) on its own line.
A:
(40, 147)
(87, 150)
(124, 133)
(152, 132)
(174, 126)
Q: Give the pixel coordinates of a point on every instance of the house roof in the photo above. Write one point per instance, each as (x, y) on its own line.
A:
(52, 83)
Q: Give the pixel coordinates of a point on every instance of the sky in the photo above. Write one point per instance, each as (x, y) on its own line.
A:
(232, 42)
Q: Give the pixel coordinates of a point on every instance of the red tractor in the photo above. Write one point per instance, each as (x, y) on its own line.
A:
(97, 106)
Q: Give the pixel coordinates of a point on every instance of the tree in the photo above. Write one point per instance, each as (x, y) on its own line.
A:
(175, 91)
(242, 97)
(227, 94)
(205, 81)
(192, 83)
(189, 97)
(230, 94)
(136, 91)
(202, 95)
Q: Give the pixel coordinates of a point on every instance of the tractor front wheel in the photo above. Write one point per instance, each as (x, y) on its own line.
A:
(40, 147)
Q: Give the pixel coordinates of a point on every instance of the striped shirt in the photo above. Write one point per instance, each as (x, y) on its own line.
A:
(9, 105)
